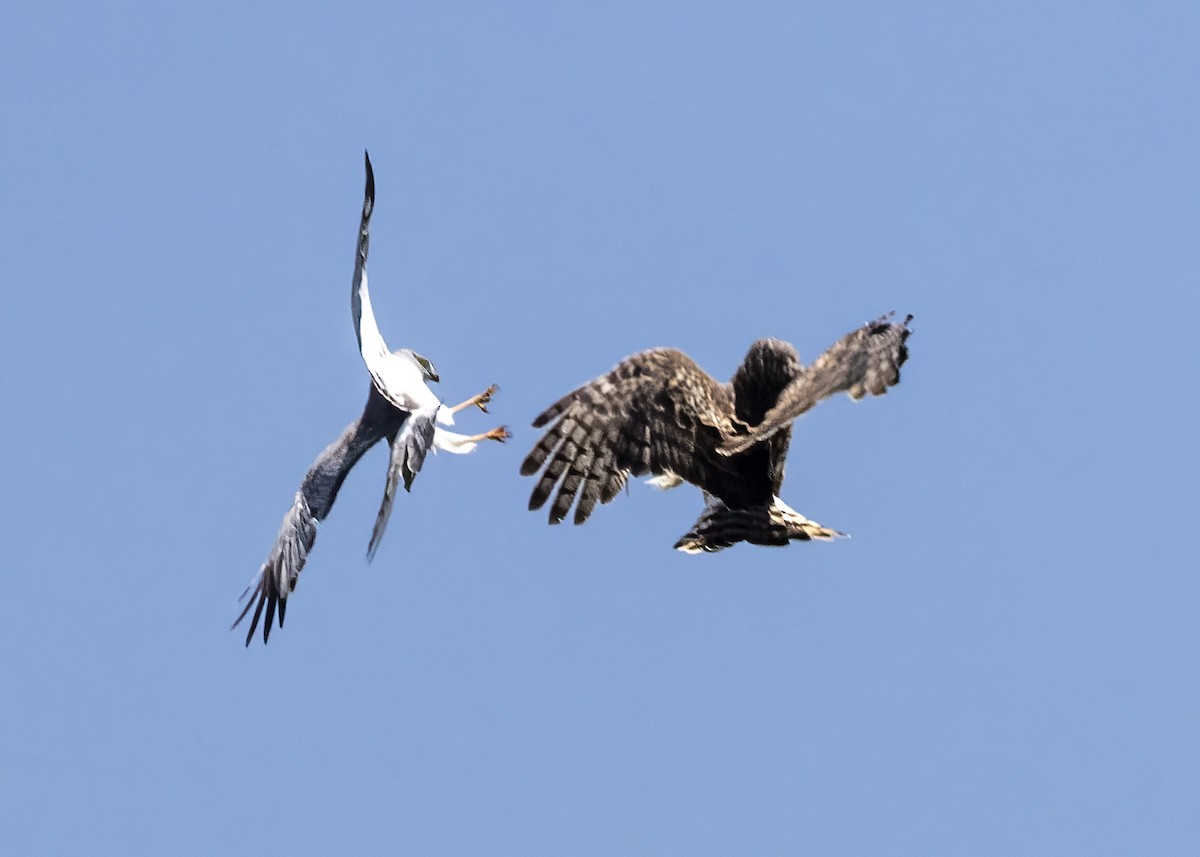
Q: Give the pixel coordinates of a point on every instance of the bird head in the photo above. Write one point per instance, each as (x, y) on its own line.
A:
(428, 370)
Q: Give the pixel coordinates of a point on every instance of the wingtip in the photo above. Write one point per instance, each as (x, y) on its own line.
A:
(376, 538)
(252, 629)
(369, 192)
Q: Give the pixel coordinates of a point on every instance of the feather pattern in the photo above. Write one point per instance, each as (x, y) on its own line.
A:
(866, 360)
(658, 412)
(278, 575)
(651, 414)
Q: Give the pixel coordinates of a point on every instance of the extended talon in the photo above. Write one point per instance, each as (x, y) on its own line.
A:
(479, 401)
(483, 398)
(500, 433)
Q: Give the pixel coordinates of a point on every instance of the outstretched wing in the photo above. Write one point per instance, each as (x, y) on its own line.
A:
(366, 329)
(867, 360)
(400, 380)
(277, 576)
(656, 412)
(409, 448)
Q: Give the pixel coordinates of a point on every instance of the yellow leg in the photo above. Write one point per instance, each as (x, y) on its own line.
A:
(500, 433)
(479, 401)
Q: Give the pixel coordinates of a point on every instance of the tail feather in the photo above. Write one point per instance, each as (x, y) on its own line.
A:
(719, 527)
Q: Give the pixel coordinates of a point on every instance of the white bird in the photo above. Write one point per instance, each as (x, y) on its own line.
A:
(400, 407)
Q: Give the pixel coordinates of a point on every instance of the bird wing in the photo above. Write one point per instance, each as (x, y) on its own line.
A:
(656, 412)
(408, 450)
(277, 576)
(366, 329)
(380, 362)
(866, 360)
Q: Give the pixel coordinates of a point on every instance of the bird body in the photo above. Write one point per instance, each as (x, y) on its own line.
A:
(659, 413)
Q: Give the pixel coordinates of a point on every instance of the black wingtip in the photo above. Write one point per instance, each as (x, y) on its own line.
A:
(369, 191)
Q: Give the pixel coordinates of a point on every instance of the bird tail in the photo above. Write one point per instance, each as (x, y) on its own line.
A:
(719, 527)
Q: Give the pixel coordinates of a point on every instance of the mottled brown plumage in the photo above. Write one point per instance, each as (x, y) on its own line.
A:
(659, 413)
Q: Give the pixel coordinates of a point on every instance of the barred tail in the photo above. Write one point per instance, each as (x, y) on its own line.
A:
(719, 527)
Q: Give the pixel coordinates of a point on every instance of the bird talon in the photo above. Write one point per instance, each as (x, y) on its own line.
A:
(483, 398)
(500, 433)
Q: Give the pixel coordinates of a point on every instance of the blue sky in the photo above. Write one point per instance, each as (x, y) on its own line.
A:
(1002, 660)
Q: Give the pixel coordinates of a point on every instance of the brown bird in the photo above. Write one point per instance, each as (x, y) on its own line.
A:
(659, 413)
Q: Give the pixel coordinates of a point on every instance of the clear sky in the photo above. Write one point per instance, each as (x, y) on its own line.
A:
(1002, 660)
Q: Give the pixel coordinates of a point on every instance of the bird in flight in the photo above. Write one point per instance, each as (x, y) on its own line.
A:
(400, 407)
(658, 412)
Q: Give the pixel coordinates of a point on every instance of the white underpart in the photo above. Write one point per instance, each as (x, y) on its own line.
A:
(397, 377)
(459, 444)
(666, 481)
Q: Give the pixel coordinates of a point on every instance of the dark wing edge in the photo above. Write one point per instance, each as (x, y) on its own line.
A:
(361, 248)
(408, 451)
(866, 360)
(277, 577)
(655, 412)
